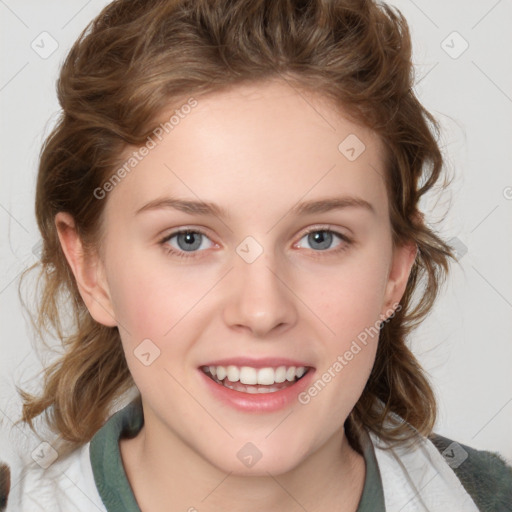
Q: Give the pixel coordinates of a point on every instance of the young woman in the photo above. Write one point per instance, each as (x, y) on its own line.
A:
(230, 205)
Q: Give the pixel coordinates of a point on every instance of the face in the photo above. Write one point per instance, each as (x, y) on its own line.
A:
(288, 268)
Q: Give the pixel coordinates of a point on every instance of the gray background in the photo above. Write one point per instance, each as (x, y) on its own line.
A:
(465, 345)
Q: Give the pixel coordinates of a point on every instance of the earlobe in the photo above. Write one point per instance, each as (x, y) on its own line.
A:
(404, 257)
(87, 271)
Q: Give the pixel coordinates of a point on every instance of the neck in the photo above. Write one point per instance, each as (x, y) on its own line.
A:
(332, 477)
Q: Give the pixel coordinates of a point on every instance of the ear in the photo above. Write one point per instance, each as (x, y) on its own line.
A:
(88, 271)
(401, 266)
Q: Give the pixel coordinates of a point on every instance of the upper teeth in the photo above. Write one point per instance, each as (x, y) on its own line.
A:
(249, 375)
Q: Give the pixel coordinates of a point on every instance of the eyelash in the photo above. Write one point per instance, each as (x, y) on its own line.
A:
(183, 254)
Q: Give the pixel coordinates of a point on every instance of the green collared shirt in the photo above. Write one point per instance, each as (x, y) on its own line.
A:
(485, 475)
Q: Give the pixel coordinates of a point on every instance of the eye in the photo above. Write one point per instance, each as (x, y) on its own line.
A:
(187, 241)
(321, 239)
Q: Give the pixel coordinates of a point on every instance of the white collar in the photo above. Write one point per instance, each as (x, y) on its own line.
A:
(417, 478)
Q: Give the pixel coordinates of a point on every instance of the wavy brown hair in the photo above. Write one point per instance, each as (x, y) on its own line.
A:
(138, 57)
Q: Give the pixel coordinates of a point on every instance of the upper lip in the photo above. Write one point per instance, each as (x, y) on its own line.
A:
(257, 363)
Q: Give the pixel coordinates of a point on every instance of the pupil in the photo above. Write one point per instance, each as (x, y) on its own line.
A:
(322, 237)
(190, 242)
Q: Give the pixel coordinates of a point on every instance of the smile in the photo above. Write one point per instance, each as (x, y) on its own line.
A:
(247, 379)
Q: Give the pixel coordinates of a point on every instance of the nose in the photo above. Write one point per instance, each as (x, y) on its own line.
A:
(260, 298)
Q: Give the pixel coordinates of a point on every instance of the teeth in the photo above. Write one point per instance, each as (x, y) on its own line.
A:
(280, 374)
(233, 373)
(248, 375)
(266, 376)
(290, 373)
(249, 389)
(252, 376)
(221, 372)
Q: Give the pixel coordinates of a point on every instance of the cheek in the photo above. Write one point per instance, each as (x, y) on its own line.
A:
(149, 299)
(349, 297)
(350, 308)
(154, 303)
(348, 305)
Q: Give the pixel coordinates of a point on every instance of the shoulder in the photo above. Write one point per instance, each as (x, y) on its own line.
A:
(57, 483)
(485, 475)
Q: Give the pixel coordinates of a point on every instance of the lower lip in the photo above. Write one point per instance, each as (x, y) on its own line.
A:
(258, 402)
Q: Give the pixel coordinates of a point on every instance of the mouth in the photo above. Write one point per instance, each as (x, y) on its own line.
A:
(250, 380)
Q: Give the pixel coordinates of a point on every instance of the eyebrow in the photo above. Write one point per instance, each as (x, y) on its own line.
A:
(305, 208)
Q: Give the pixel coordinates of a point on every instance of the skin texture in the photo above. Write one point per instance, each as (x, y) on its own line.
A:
(256, 151)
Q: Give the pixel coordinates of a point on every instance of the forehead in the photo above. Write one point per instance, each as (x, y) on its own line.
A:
(269, 143)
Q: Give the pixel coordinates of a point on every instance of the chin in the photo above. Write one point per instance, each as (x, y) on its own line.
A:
(251, 459)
